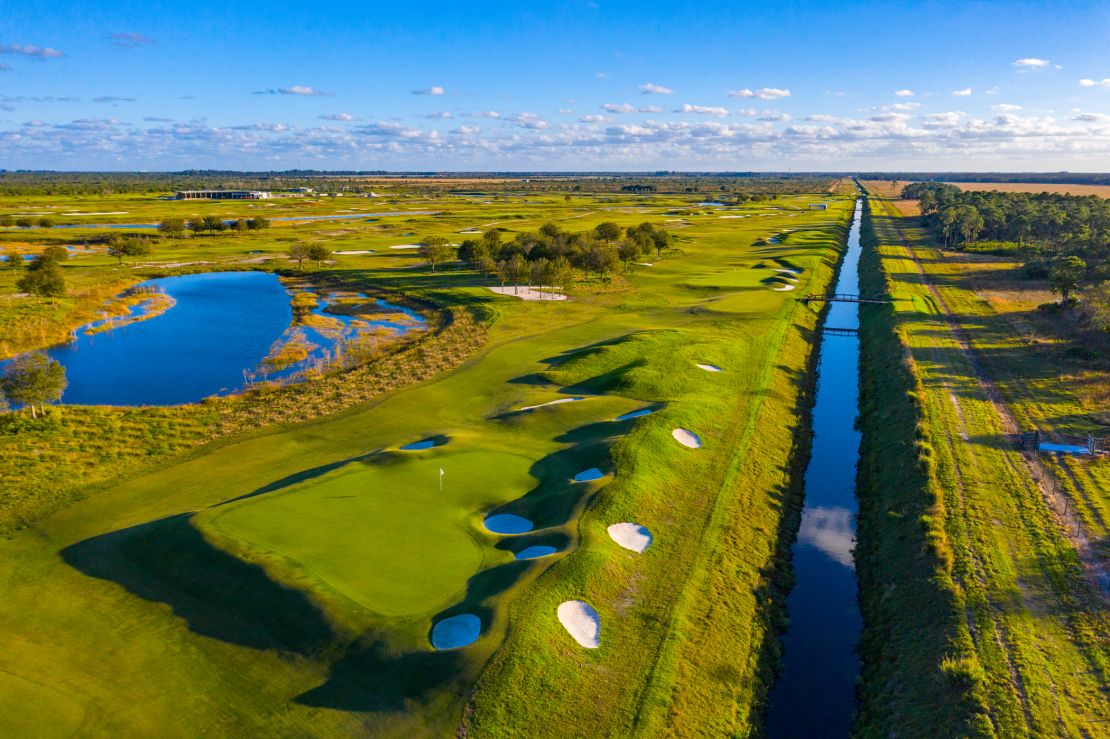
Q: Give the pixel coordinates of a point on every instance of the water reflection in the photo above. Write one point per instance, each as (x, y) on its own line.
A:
(829, 530)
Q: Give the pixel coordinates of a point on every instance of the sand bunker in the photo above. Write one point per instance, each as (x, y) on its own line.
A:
(550, 402)
(457, 631)
(783, 288)
(581, 622)
(631, 536)
(527, 293)
(789, 271)
(354, 251)
(587, 475)
(646, 264)
(635, 414)
(710, 367)
(406, 246)
(508, 523)
(535, 552)
(686, 437)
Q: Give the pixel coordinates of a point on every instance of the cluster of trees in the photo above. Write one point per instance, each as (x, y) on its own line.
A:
(1064, 238)
(32, 380)
(24, 222)
(550, 255)
(120, 246)
(43, 275)
(315, 252)
(174, 227)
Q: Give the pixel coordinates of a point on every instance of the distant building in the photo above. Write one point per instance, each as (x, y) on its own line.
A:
(223, 195)
(818, 206)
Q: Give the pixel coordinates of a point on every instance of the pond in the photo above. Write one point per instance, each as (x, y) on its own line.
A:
(216, 335)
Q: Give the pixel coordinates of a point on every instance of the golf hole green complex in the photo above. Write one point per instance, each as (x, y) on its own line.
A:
(408, 545)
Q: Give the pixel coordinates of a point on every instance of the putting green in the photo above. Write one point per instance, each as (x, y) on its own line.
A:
(405, 547)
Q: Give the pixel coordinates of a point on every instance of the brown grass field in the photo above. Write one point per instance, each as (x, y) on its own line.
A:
(883, 187)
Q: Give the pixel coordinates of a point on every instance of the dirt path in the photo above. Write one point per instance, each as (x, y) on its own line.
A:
(1097, 571)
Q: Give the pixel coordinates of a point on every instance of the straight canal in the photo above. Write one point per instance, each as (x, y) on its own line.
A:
(815, 692)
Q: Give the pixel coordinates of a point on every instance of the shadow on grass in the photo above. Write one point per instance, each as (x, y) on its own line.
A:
(217, 594)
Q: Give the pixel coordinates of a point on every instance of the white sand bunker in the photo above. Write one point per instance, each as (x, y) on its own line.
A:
(551, 402)
(631, 536)
(528, 293)
(581, 622)
(535, 552)
(406, 246)
(354, 251)
(710, 367)
(457, 631)
(784, 288)
(635, 414)
(508, 523)
(687, 438)
(587, 475)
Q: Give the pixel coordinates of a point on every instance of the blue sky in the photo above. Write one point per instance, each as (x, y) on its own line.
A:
(568, 85)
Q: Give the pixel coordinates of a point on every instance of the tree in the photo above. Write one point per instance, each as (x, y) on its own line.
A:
(1065, 275)
(33, 379)
(46, 223)
(214, 223)
(239, 225)
(318, 253)
(127, 246)
(608, 231)
(13, 259)
(6, 220)
(516, 269)
(24, 222)
(54, 254)
(969, 223)
(560, 273)
(436, 249)
(629, 251)
(45, 280)
(300, 253)
(258, 223)
(172, 227)
(1098, 302)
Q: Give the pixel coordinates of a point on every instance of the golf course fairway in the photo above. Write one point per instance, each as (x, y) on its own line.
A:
(287, 581)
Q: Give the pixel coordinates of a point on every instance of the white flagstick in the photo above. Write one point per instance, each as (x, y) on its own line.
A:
(441, 479)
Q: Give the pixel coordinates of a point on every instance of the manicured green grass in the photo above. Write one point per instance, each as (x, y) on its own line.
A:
(235, 591)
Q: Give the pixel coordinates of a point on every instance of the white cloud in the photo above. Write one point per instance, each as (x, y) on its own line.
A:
(337, 117)
(1005, 107)
(529, 121)
(618, 108)
(943, 120)
(1032, 63)
(1105, 82)
(304, 90)
(771, 93)
(1091, 117)
(433, 90)
(962, 93)
(650, 88)
(745, 93)
(993, 90)
(30, 51)
(487, 114)
(440, 114)
(904, 93)
(772, 116)
(467, 130)
(129, 40)
(593, 119)
(649, 109)
(702, 110)
(112, 99)
(566, 111)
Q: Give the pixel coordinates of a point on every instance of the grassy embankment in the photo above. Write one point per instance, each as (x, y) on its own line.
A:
(981, 618)
(254, 625)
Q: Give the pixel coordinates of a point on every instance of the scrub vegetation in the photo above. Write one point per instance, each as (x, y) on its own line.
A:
(982, 568)
(275, 562)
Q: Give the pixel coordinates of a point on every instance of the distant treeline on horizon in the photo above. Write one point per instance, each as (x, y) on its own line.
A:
(1039, 178)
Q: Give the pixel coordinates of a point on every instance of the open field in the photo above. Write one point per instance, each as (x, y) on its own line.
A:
(285, 580)
(1010, 577)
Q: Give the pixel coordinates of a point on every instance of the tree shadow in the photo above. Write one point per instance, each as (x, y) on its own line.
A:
(217, 594)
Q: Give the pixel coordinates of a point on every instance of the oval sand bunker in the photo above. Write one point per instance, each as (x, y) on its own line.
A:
(631, 536)
(581, 622)
(457, 631)
(709, 367)
(686, 438)
(508, 523)
(535, 552)
(591, 474)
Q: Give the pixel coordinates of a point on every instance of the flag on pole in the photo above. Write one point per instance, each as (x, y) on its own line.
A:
(441, 479)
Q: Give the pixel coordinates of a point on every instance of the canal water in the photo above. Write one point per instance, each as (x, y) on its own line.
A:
(815, 692)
